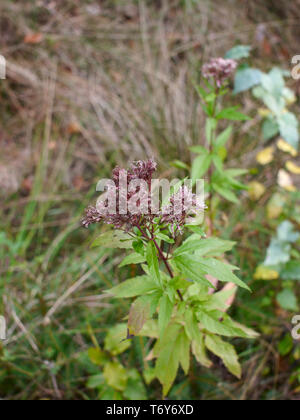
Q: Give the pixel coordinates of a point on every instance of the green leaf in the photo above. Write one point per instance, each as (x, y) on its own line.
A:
(207, 247)
(115, 375)
(226, 352)
(138, 315)
(226, 193)
(165, 313)
(286, 345)
(113, 239)
(152, 261)
(288, 127)
(191, 269)
(198, 349)
(191, 324)
(217, 322)
(220, 270)
(95, 381)
(184, 351)
(97, 356)
(200, 166)
(168, 356)
(238, 52)
(222, 138)
(113, 340)
(164, 238)
(232, 114)
(132, 259)
(179, 165)
(288, 300)
(134, 287)
(286, 232)
(246, 79)
(278, 253)
(270, 128)
(135, 388)
(291, 271)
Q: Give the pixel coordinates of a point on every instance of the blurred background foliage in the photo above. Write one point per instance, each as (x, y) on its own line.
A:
(94, 83)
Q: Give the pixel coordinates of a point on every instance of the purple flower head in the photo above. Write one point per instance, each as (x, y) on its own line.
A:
(219, 69)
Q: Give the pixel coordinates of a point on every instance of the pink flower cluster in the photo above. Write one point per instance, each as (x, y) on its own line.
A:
(182, 203)
(219, 69)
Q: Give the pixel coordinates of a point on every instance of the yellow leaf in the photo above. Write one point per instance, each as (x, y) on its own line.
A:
(286, 147)
(265, 156)
(265, 273)
(275, 206)
(292, 167)
(285, 181)
(264, 112)
(256, 190)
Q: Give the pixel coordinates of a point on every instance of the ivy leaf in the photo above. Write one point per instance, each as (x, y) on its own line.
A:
(220, 270)
(238, 52)
(134, 258)
(208, 247)
(138, 315)
(287, 300)
(113, 239)
(288, 126)
(226, 352)
(278, 253)
(152, 261)
(286, 232)
(165, 313)
(246, 79)
(291, 271)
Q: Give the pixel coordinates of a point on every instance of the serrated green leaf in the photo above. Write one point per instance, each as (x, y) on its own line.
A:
(220, 270)
(138, 315)
(226, 352)
(134, 287)
(113, 239)
(232, 114)
(222, 138)
(132, 259)
(191, 269)
(208, 247)
(152, 261)
(165, 313)
(200, 166)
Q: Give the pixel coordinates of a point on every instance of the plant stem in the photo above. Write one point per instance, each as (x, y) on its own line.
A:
(164, 259)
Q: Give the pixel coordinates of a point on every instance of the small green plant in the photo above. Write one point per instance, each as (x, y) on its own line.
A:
(174, 300)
